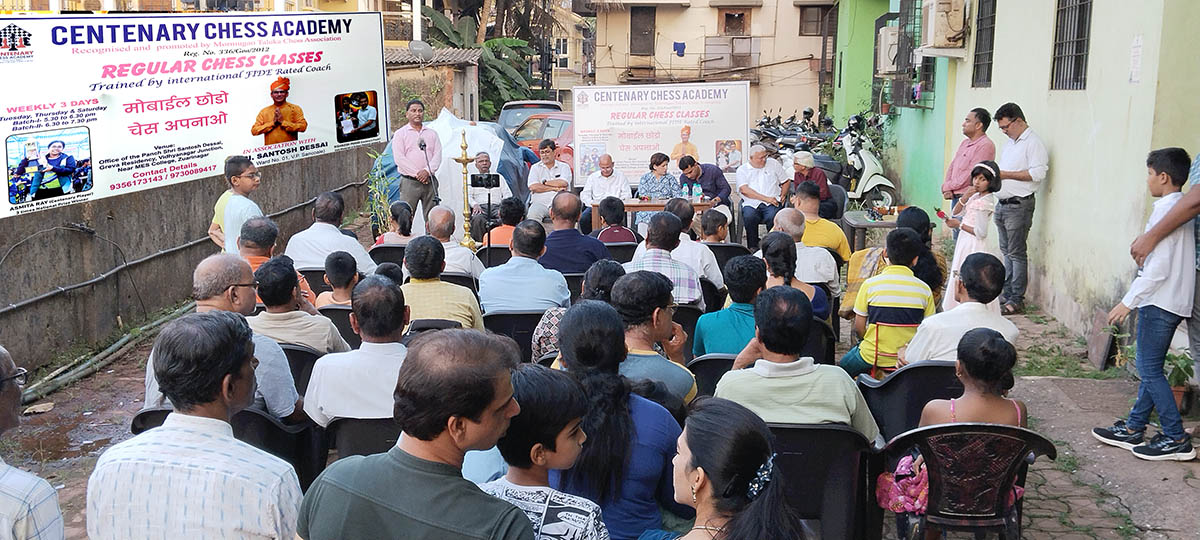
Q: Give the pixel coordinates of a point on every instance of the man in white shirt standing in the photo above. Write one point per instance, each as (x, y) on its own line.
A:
(760, 183)
(28, 504)
(359, 384)
(980, 279)
(189, 476)
(690, 252)
(606, 182)
(1023, 167)
(546, 178)
(310, 247)
(485, 202)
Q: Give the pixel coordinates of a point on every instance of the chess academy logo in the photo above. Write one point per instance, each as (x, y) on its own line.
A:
(16, 44)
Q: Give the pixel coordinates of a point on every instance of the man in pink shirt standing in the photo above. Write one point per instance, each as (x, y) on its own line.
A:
(417, 152)
(978, 147)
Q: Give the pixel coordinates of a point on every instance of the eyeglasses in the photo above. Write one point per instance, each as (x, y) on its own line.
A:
(251, 285)
(1003, 127)
(19, 377)
(256, 175)
(672, 307)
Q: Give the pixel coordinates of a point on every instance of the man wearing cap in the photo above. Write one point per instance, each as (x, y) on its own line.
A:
(280, 121)
(684, 148)
(807, 171)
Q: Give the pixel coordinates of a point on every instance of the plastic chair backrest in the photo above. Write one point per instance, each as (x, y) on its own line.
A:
(316, 280)
(972, 468)
(840, 198)
(148, 418)
(708, 370)
(687, 315)
(340, 315)
(548, 359)
(622, 252)
(824, 467)
(820, 343)
(363, 436)
(575, 285)
(518, 325)
(493, 256)
(419, 326)
(259, 308)
(714, 298)
(301, 360)
(465, 280)
(301, 445)
(896, 401)
(393, 253)
(724, 252)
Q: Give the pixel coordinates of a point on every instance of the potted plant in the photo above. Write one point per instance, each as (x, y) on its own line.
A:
(1181, 371)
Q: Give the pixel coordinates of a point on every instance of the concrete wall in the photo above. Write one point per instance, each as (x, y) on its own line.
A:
(143, 224)
(854, 64)
(791, 84)
(1094, 202)
(917, 161)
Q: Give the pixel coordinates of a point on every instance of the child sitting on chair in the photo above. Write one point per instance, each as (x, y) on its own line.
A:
(714, 227)
(341, 273)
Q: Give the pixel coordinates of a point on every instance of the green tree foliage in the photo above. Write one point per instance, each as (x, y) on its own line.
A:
(502, 65)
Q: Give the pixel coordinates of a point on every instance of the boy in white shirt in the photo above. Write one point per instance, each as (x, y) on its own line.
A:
(1162, 294)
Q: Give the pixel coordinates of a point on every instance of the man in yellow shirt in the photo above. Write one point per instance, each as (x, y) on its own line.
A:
(685, 148)
(819, 232)
(427, 296)
(281, 121)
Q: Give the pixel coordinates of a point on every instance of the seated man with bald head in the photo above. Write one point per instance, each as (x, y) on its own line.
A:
(29, 505)
(310, 247)
(607, 181)
(358, 384)
(458, 258)
(521, 284)
(224, 283)
(568, 250)
(813, 264)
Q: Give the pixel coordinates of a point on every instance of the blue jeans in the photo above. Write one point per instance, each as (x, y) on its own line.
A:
(752, 217)
(854, 364)
(1154, 330)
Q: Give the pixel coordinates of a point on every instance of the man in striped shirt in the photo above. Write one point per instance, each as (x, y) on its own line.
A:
(888, 308)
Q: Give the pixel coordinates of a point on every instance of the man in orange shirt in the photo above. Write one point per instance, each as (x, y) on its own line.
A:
(512, 212)
(281, 121)
(257, 245)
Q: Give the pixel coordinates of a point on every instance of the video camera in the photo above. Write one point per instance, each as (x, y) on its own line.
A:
(485, 181)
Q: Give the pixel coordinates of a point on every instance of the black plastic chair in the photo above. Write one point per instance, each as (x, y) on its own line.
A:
(518, 325)
(826, 470)
(548, 359)
(382, 253)
(820, 343)
(340, 315)
(896, 401)
(363, 436)
(840, 198)
(708, 370)
(259, 308)
(316, 280)
(972, 468)
(148, 418)
(714, 298)
(301, 360)
(416, 327)
(575, 285)
(493, 255)
(724, 252)
(465, 280)
(687, 315)
(622, 252)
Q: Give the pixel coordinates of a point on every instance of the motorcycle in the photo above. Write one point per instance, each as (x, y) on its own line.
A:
(863, 174)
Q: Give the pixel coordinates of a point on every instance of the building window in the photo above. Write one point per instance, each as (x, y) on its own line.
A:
(733, 22)
(1072, 25)
(641, 31)
(985, 31)
(811, 18)
(914, 83)
(561, 59)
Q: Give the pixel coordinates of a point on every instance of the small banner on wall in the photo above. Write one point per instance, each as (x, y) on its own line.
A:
(104, 105)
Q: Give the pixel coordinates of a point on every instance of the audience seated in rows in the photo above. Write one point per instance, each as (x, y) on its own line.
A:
(308, 248)
(567, 249)
(453, 394)
(459, 258)
(400, 224)
(597, 285)
(359, 383)
(779, 252)
(714, 227)
(189, 476)
(257, 245)
(813, 264)
(30, 509)
(512, 212)
(889, 307)
(283, 320)
(545, 436)
(612, 217)
(729, 330)
(521, 284)
(696, 255)
(781, 386)
(428, 296)
(341, 274)
(644, 301)
(981, 278)
(818, 231)
(223, 282)
(662, 237)
(625, 466)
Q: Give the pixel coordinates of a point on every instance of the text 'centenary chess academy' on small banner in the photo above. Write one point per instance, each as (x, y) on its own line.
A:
(102, 105)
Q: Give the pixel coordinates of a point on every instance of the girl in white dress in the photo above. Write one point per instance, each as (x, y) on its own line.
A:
(972, 216)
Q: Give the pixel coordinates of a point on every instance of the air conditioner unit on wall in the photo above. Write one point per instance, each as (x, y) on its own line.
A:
(886, 48)
(944, 24)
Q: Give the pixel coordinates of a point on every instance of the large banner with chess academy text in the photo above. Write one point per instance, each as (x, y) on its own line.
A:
(101, 105)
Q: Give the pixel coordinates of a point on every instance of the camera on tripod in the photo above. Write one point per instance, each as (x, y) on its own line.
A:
(485, 181)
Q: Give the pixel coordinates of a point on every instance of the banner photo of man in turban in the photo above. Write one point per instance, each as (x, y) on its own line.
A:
(281, 121)
(685, 147)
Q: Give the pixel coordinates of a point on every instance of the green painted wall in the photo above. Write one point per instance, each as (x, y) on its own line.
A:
(918, 155)
(855, 56)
